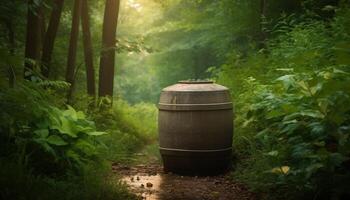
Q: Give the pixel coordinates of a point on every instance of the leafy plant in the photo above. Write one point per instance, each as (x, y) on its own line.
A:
(45, 135)
(303, 124)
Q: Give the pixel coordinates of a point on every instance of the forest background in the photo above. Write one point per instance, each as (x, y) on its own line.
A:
(75, 97)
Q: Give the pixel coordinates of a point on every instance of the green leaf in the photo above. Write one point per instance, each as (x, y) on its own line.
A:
(337, 159)
(56, 140)
(71, 113)
(85, 147)
(323, 104)
(262, 133)
(96, 133)
(338, 71)
(290, 128)
(314, 90)
(280, 170)
(272, 153)
(289, 108)
(303, 85)
(313, 168)
(274, 113)
(287, 80)
(312, 113)
(42, 133)
(80, 115)
(66, 126)
(319, 144)
(317, 128)
(43, 143)
(74, 156)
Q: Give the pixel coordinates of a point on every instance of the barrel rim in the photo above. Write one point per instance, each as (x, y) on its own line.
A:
(195, 91)
(196, 107)
(196, 82)
(196, 150)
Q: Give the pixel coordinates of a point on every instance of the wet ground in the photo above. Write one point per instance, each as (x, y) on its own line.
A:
(149, 182)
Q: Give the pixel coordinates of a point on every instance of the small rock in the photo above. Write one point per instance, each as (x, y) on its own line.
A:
(132, 179)
(142, 185)
(215, 194)
(152, 173)
(137, 178)
(149, 184)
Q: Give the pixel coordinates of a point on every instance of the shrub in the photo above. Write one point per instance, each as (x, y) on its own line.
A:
(42, 136)
(302, 140)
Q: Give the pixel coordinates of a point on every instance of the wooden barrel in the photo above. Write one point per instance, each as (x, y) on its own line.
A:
(195, 127)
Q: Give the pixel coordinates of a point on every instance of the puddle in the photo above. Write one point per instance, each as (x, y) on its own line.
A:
(145, 186)
(148, 182)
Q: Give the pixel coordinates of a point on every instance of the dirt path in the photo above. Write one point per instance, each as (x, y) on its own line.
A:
(150, 182)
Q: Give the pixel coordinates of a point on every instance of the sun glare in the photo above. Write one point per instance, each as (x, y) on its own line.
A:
(135, 5)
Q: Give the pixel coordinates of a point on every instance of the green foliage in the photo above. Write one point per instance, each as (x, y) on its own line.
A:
(52, 153)
(95, 182)
(292, 113)
(285, 62)
(303, 124)
(43, 136)
(129, 128)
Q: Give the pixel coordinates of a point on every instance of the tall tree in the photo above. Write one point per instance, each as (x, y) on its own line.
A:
(32, 46)
(73, 44)
(50, 36)
(263, 20)
(42, 27)
(12, 46)
(107, 60)
(90, 72)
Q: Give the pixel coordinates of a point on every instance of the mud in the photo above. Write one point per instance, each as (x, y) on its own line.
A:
(149, 182)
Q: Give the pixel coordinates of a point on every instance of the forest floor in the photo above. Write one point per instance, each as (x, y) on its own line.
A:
(148, 181)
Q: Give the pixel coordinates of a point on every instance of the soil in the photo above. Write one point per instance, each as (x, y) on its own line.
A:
(149, 182)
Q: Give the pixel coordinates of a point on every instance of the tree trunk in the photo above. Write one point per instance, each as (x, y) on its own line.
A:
(263, 34)
(12, 46)
(90, 72)
(32, 46)
(108, 52)
(73, 43)
(50, 37)
(42, 31)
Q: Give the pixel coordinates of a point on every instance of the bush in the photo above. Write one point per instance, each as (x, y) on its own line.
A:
(302, 140)
(291, 133)
(50, 153)
(42, 136)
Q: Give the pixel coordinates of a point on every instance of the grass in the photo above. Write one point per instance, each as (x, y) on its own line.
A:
(131, 129)
(96, 183)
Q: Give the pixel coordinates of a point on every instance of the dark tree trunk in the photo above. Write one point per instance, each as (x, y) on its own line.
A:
(32, 46)
(42, 31)
(90, 72)
(12, 46)
(108, 52)
(263, 34)
(73, 43)
(50, 37)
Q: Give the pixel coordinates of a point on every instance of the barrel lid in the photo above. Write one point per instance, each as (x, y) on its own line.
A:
(195, 86)
(196, 82)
